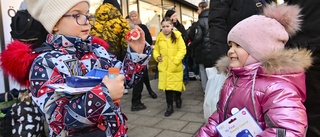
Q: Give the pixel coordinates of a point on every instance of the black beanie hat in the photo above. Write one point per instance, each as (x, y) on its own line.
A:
(114, 3)
(169, 13)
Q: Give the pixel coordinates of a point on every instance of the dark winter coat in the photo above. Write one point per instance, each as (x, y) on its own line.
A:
(182, 30)
(203, 49)
(193, 38)
(309, 37)
(146, 33)
(224, 14)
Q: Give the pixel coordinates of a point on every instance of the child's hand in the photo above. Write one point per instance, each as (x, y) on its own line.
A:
(139, 44)
(115, 86)
(159, 58)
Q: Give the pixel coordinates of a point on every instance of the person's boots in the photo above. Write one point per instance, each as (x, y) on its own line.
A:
(169, 111)
(146, 81)
(152, 94)
(178, 102)
(138, 106)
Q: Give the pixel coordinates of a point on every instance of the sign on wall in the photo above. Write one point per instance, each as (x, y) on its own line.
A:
(8, 9)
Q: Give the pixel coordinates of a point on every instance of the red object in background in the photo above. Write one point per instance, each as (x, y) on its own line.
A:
(133, 35)
(100, 42)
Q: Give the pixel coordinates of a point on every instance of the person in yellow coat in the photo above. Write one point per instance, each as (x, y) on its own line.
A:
(169, 51)
(112, 27)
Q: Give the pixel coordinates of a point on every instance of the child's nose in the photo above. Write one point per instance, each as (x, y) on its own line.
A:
(231, 50)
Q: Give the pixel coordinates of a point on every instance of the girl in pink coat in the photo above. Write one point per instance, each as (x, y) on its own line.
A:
(263, 76)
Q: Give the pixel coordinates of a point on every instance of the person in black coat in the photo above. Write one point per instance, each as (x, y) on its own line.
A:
(309, 37)
(203, 49)
(192, 42)
(199, 35)
(137, 89)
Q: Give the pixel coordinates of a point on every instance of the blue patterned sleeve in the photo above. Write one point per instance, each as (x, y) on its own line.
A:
(134, 64)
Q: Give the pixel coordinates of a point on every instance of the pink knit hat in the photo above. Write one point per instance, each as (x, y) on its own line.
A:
(260, 35)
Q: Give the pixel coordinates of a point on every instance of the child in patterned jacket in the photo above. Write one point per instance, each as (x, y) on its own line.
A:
(68, 51)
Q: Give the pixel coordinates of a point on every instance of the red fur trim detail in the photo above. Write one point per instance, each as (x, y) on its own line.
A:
(16, 61)
(100, 42)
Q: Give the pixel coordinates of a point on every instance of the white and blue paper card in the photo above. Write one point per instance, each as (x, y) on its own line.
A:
(241, 124)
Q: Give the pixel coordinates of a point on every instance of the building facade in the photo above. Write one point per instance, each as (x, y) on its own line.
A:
(151, 12)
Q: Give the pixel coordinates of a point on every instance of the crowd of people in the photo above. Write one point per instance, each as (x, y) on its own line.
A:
(268, 51)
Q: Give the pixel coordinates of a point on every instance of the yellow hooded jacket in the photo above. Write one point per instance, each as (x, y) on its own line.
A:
(170, 69)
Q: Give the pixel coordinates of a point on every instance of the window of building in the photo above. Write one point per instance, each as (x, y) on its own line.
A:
(151, 12)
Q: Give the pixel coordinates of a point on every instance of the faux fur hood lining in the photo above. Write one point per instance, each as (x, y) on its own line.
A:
(278, 62)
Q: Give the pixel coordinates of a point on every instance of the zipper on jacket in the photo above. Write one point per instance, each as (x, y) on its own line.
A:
(252, 95)
(227, 103)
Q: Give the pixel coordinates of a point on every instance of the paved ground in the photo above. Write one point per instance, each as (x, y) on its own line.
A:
(184, 122)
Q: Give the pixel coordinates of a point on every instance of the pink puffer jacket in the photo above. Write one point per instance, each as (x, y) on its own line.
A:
(272, 90)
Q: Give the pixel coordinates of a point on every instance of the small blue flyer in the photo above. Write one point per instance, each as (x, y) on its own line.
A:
(240, 124)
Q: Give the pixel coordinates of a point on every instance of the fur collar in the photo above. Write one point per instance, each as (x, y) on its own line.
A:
(278, 62)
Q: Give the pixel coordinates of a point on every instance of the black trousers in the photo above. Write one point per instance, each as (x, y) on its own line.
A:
(137, 89)
(171, 95)
(313, 96)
